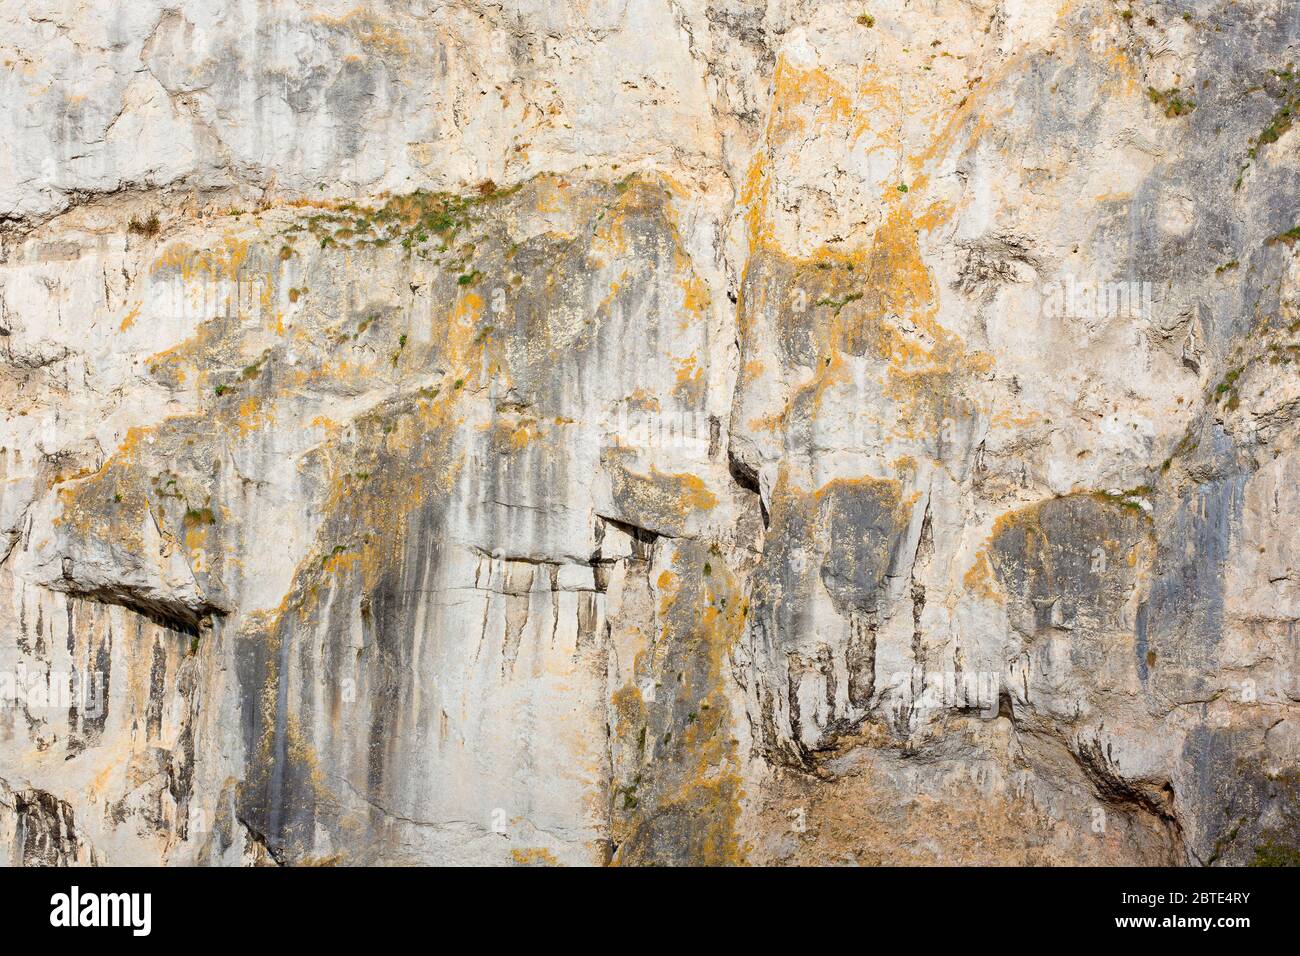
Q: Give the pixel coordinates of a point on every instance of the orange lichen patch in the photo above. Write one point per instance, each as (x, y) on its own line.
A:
(689, 388)
(223, 262)
(534, 856)
(754, 197)
(252, 416)
(687, 370)
(196, 536)
(609, 239)
(177, 364)
(802, 99)
(370, 28)
(657, 500)
(980, 581)
(462, 323)
(340, 561)
(696, 495)
(1126, 75)
(768, 423)
(615, 288)
(129, 319)
(112, 501)
(880, 303)
(551, 195)
(629, 709)
(643, 400)
(512, 436)
(1001, 418)
(695, 296)
(836, 486)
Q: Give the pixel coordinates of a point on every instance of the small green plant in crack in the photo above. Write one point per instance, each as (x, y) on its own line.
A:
(166, 488)
(412, 220)
(1226, 267)
(195, 517)
(1283, 86)
(1186, 446)
(840, 303)
(1227, 389)
(1130, 499)
(221, 390)
(1172, 102)
(468, 278)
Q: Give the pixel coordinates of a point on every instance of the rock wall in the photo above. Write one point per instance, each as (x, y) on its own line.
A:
(649, 432)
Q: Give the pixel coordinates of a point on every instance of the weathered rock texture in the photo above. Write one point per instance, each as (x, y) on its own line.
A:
(649, 431)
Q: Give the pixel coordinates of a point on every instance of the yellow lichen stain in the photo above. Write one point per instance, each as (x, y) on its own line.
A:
(695, 297)
(980, 581)
(690, 384)
(223, 262)
(644, 400)
(534, 856)
(129, 319)
(370, 28)
(513, 436)
(252, 416)
(340, 561)
(693, 493)
(630, 708)
(880, 303)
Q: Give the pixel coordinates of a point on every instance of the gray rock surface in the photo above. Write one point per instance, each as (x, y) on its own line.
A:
(649, 431)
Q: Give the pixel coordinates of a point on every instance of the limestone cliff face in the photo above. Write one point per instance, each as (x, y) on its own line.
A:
(649, 431)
